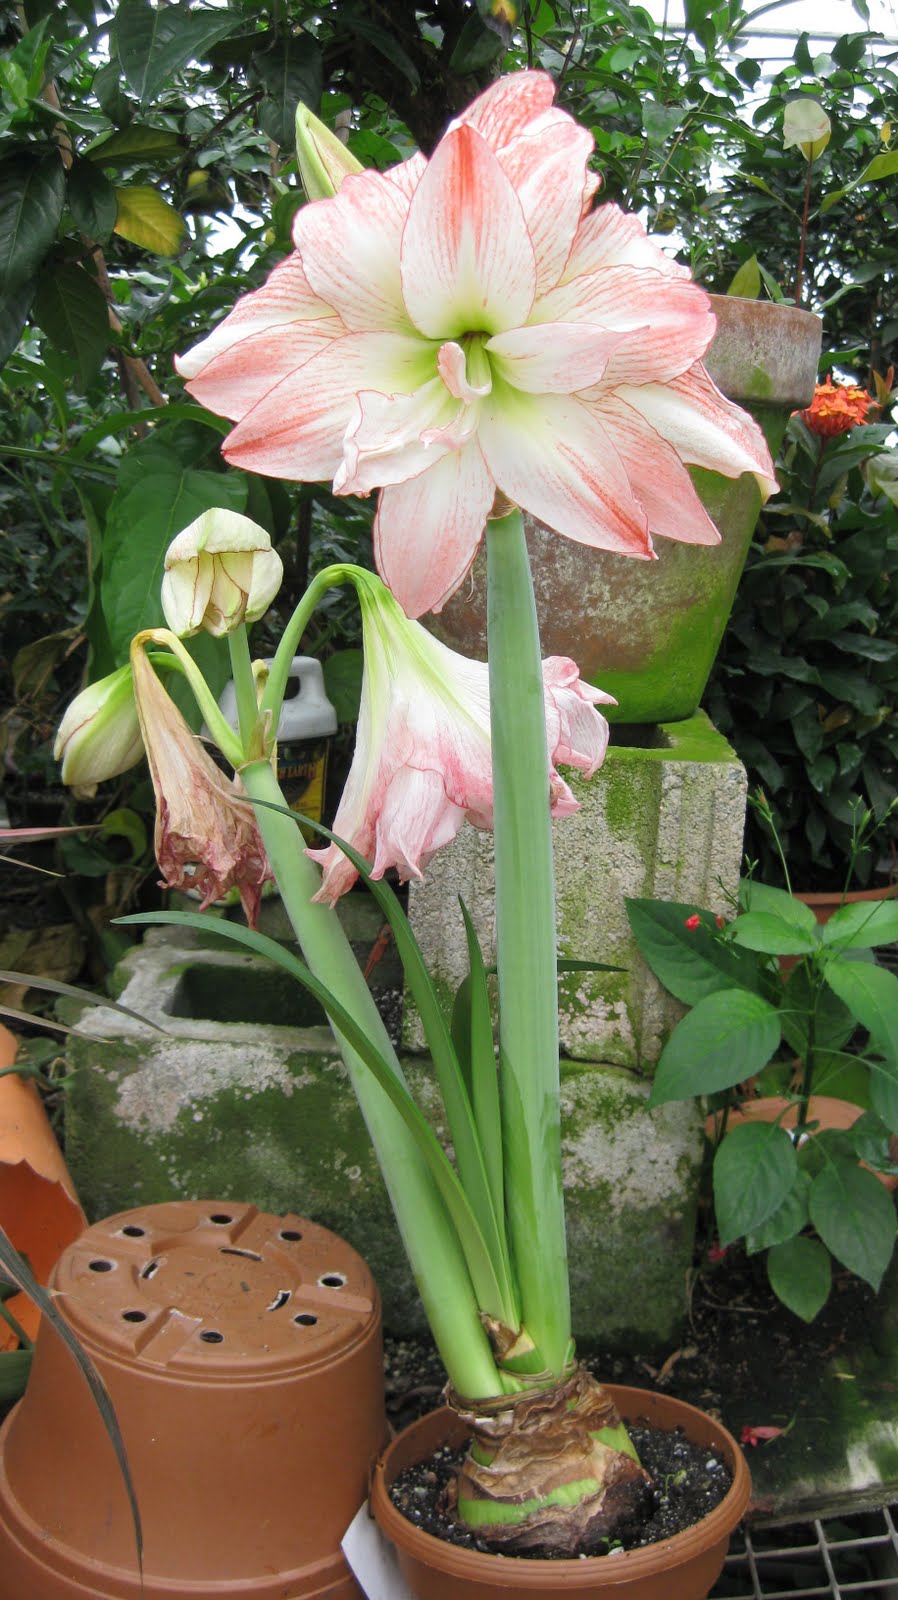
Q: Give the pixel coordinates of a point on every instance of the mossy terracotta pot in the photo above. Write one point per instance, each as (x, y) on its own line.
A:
(684, 1567)
(242, 1353)
(648, 631)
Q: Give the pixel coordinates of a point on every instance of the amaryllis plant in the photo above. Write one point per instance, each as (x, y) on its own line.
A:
(469, 336)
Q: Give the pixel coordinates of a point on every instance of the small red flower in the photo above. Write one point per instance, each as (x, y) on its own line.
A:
(836, 407)
(759, 1435)
(694, 921)
(716, 1251)
(721, 921)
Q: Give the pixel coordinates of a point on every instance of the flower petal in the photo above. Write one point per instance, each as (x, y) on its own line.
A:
(350, 250)
(657, 476)
(583, 732)
(296, 430)
(417, 819)
(609, 237)
(238, 378)
(669, 323)
(467, 260)
(285, 297)
(508, 105)
(408, 174)
(554, 358)
(547, 166)
(570, 475)
(427, 530)
(452, 366)
(395, 437)
(704, 428)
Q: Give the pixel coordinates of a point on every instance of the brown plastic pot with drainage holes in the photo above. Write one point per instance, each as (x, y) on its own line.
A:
(243, 1356)
(683, 1567)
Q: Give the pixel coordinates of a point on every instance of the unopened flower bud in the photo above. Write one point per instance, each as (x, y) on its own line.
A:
(806, 124)
(323, 158)
(99, 736)
(219, 572)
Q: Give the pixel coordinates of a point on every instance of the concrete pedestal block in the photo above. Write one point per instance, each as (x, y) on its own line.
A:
(663, 819)
(251, 1111)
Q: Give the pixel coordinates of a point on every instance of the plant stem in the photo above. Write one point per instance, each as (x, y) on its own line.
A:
(525, 945)
(799, 277)
(427, 1234)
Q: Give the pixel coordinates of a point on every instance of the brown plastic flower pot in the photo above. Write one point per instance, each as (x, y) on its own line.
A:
(684, 1567)
(242, 1353)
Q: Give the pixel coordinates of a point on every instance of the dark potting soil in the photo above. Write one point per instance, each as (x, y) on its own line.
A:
(688, 1481)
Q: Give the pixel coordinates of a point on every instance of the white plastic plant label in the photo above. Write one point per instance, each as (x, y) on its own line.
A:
(373, 1559)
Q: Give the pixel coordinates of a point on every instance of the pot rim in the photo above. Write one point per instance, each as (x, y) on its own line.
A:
(628, 1564)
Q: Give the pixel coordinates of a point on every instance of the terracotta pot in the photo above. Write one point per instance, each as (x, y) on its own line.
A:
(242, 1353)
(681, 1568)
(648, 632)
(39, 1210)
(822, 1108)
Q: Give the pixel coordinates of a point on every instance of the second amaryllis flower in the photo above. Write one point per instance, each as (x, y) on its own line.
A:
(466, 324)
(422, 764)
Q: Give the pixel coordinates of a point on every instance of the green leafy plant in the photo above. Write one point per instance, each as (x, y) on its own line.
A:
(779, 1003)
(806, 683)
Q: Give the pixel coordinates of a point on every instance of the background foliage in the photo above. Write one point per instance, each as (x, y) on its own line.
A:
(147, 178)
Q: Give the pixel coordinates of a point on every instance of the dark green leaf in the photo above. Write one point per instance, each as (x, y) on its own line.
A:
(91, 200)
(875, 1143)
(477, 47)
(32, 196)
(343, 682)
(660, 122)
(863, 925)
(290, 70)
(154, 42)
(754, 1171)
(136, 145)
(70, 307)
(800, 1274)
(871, 995)
(772, 935)
(15, 1366)
(855, 1218)
(385, 44)
(15, 305)
(690, 962)
(787, 1220)
(726, 1037)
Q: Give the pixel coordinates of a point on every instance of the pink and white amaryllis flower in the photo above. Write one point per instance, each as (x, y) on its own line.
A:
(422, 763)
(467, 323)
(206, 838)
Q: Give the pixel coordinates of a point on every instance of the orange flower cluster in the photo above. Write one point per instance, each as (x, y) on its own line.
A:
(836, 407)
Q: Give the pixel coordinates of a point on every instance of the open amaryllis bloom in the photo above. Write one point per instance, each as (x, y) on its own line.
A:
(206, 835)
(466, 324)
(422, 761)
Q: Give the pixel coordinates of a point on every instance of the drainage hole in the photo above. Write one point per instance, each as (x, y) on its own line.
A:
(279, 1300)
(101, 1266)
(134, 1316)
(221, 1217)
(230, 1250)
(212, 1336)
(133, 1232)
(305, 1319)
(332, 1280)
(150, 1268)
(290, 1234)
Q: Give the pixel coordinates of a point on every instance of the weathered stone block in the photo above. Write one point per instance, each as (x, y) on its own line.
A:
(661, 820)
(264, 1113)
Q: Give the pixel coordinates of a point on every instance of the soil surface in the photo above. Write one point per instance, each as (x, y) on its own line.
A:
(687, 1483)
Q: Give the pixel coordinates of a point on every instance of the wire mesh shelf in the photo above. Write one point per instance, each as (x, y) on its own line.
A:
(834, 1559)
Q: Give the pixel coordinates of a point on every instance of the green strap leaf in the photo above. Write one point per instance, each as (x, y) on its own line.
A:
(53, 986)
(480, 1265)
(726, 1037)
(483, 1076)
